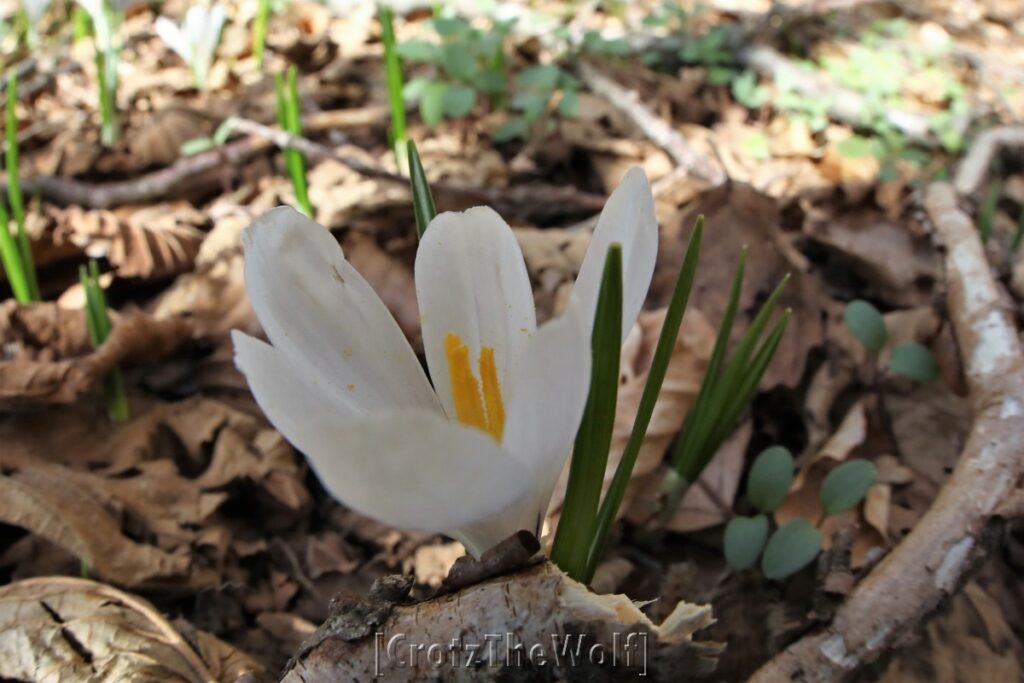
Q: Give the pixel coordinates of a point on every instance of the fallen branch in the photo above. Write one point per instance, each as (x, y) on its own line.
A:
(527, 200)
(976, 164)
(843, 105)
(515, 627)
(659, 132)
(934, 559)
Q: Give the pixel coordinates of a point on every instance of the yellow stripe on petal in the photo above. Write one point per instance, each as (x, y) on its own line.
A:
(473, 407)
(492, 393)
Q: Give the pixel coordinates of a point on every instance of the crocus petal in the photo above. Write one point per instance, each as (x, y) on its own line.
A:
(628, 218)
(175, 38)
(543, 418)
(316, 307)
(471, 280)
(281, 382)
(410, 469)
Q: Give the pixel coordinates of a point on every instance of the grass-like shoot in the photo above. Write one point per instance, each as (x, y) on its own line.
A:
(289, 118)
(16, 252)
(98, 324)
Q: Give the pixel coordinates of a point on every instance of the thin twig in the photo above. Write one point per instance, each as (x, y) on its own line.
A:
(659, 132)
(976, 164)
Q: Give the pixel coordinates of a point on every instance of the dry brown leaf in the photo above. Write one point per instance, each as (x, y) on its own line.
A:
(60, 506)
(970, 643)
(149, 243)
(157, 140)
(390, 278)
(30, 375)
(68, 630)
(896, 266)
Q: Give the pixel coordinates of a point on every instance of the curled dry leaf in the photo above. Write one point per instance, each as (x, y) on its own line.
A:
(539, 607)
(148, 243)
(390, 278)
(30, 376)
(141, 505)
(79, 630)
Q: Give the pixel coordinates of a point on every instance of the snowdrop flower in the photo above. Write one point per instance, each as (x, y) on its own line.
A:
(477, 454)
(196, 39)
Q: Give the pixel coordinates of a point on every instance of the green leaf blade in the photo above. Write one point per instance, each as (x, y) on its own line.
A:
(790, 549)
(593, 440)
(769, 478)
(743, 541)
(422, 199)
(867, 324)
(846, 485)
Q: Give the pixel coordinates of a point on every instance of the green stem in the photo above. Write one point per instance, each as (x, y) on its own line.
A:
(393, 73)
(259, 31)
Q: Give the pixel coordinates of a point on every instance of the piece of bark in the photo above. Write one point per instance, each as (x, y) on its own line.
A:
(935, 559)
(974, 168)
(520, 623)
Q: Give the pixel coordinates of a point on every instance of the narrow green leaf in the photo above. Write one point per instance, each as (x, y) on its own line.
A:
(655, 378)
(697, 424)
(422, 199)
(14, 185)
(846, 486)
(790, 549)
(915, 361)
(393, 73)
(97, 322)
(743, 541)
(769, 478)
(259, 31)
(593, 440)
(11, 257)
(867, 324)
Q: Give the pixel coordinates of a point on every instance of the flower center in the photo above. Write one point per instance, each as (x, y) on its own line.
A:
(475, 406)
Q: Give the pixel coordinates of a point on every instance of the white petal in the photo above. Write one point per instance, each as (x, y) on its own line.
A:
(174, 37)
(315, 306)
(471, 280)
(628, 218)
(281, 383)
(410, 469)
(542, 420)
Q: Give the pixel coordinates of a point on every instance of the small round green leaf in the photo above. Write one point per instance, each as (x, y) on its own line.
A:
(432, 102)
(418, 51)
(516, 127)
(915, 361)
(867, 324)
(542, 77)
(846, 485)
(744, 539)
(458, 101)
(769, 478)
(790, 549)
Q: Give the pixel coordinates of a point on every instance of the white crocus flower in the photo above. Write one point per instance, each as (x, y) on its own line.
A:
(196, 39)
(477, 455)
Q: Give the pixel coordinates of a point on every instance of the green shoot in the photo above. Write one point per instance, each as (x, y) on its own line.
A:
(1018, 237)
(97, 322)
(24, 247)
(656, 376)
(727, 388)
(259, 31)
(105, 21)
(422, 200)
(10, 255)
(289, 119)
(593, 440)
(393, 70)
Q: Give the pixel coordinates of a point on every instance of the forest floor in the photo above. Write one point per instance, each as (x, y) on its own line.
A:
(807, 131)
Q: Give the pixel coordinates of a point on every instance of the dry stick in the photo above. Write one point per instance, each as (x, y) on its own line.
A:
(537, 200)
(976, 165)
(934, 560)
(659, 132)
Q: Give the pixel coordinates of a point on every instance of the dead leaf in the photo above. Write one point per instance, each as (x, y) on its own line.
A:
(895, 266)
(150, 243)
(77, 630)
(390, 278)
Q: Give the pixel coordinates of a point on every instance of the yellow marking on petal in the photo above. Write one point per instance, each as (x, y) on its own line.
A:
(492, 393)
(473, 407)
